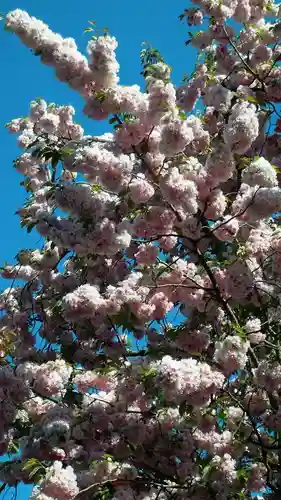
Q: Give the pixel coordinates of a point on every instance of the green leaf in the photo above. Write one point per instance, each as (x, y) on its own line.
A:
(66, 151)
(31, 463)
(243, 474)
(57, 309)
(88, 30)
(35, 471)
(182, 115)
(35, 467)
(104, 493)
(100, 95)
(222, 414)
(240, 332)
(14, 447)
(147, 375)
(206, 472)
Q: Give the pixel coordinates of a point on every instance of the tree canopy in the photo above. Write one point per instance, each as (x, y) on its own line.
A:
(140, 352)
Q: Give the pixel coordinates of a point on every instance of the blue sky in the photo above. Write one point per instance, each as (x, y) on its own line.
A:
(23, 78)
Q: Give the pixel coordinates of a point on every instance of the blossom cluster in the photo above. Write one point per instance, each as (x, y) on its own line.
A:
(139, 348)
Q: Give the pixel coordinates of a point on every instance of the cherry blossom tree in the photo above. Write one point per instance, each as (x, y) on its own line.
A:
(171, 214)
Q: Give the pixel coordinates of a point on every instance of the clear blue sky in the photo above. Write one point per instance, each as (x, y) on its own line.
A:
(24, 78)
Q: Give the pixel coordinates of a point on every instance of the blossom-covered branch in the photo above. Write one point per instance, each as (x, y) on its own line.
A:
(140, 351)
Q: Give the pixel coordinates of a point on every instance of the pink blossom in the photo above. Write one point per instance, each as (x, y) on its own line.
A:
(161, 304)
(193, 17)
(242, 127)
(175, 136)
(216, 205)
(146, 254)
(140, 190)
(226, 229)
(60, 483)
